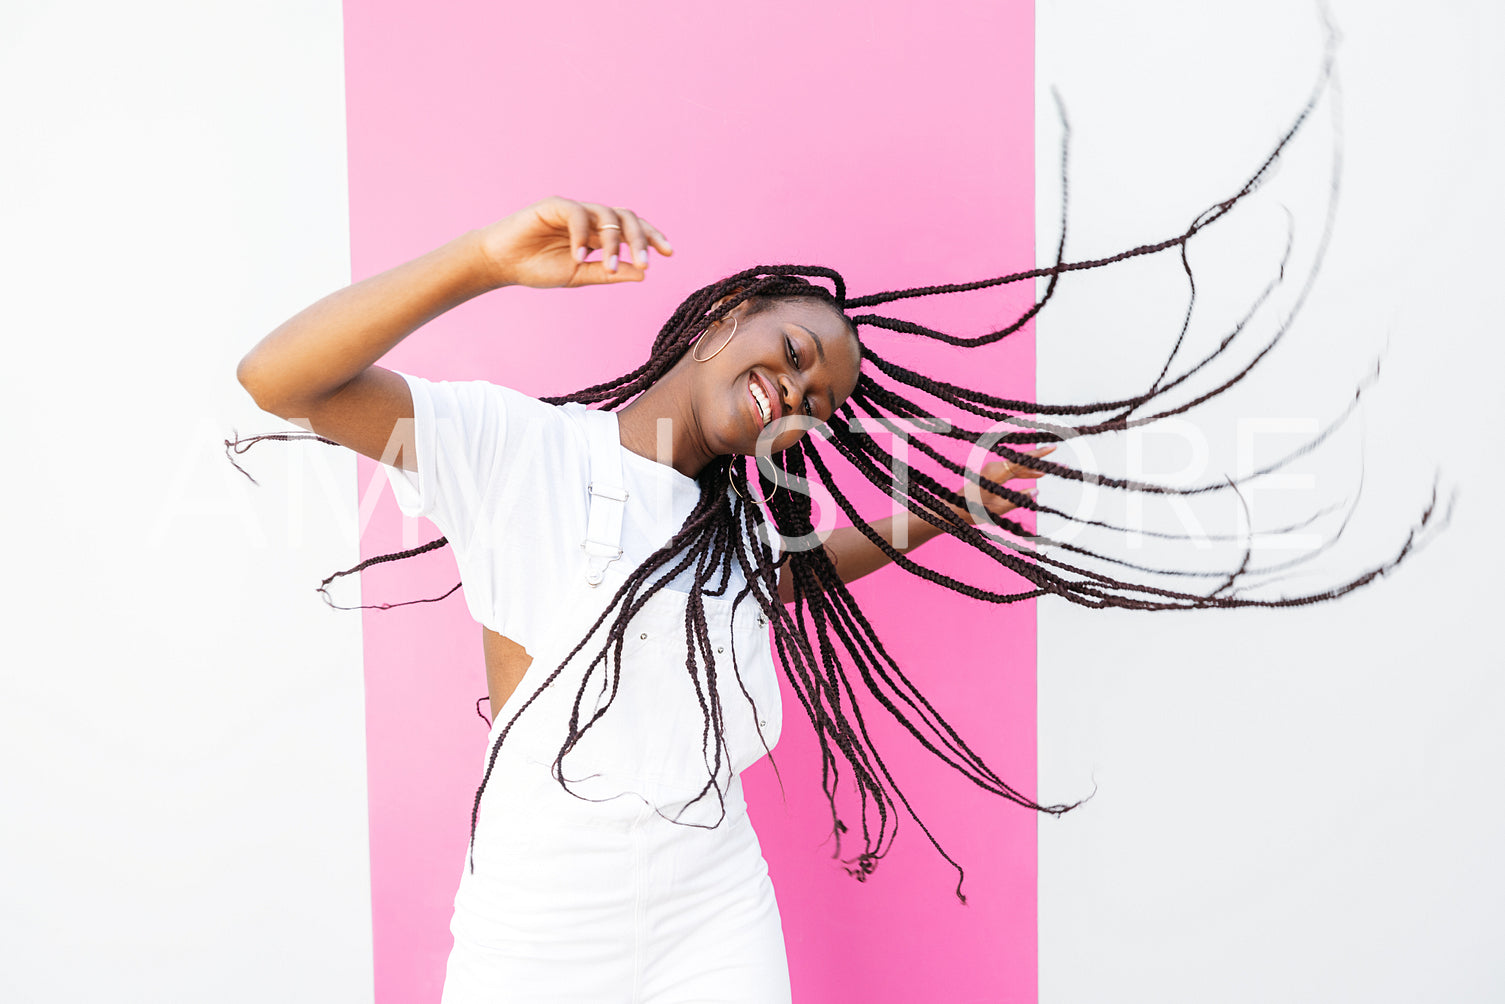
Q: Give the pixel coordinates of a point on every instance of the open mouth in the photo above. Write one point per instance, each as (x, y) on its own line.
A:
(760, 400)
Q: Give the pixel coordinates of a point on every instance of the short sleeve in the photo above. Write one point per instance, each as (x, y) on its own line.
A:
(459, 441)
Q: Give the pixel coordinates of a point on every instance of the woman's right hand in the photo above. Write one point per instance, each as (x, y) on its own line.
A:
(542, 245)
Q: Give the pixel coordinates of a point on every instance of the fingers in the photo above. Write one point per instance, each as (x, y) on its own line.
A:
(660, 242)
(638, 234)
(1038, 451)
(593, 225)
(1002, 471)
(1016, 470)
(605, 232)
(1005, 470)
(635, 236)
(581, 226)
(1034, 490)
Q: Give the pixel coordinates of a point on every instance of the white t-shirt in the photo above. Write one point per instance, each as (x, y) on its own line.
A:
(505, 478)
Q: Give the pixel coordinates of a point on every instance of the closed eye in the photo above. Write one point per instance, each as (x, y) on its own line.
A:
(795, 359)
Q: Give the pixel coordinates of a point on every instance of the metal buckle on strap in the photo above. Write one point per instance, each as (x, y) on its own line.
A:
(602, 555)
(610, 554)
(606, 493)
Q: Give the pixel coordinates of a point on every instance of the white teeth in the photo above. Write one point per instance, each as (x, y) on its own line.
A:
(761, 398)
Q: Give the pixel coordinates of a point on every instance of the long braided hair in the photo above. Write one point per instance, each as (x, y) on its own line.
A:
(825, 644)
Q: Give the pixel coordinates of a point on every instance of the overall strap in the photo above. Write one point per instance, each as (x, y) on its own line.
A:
(603, 532)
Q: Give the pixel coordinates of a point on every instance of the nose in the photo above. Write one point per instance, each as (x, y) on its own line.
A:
(792, 390)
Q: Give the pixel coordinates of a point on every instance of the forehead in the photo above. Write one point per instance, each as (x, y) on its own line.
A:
(817, 315)
(825, 321)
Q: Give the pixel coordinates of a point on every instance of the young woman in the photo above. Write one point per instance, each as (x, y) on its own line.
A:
(586, 893)
(634, 583)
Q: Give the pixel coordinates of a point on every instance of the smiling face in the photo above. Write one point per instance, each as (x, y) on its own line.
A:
(792, 359)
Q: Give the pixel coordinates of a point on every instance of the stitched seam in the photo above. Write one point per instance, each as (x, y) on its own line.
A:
(638, 909)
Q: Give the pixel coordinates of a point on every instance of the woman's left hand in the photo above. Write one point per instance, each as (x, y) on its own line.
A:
(1000, 471)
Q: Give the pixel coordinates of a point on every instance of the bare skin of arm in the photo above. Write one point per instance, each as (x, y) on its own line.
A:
(317, 369)
(506, 662)
(854, 555)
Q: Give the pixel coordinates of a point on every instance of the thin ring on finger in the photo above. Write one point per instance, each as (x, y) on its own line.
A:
(637, 239)
(610, 244)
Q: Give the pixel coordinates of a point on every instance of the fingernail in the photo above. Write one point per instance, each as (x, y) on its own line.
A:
(581, 252)
(611, 263)
(668, 246)
(640, 256)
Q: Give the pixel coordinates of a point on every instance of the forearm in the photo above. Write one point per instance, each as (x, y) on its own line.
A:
(325, 346)
(854, 555)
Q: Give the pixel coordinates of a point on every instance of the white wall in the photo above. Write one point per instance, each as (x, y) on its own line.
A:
(1297, 804)
(1291, 805)
(182, 754)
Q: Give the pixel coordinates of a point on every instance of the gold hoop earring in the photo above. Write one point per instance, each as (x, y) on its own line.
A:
(718, 349)
(776, 487)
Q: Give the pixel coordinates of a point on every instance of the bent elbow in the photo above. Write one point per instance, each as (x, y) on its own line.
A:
(250, 374)
(246, 375)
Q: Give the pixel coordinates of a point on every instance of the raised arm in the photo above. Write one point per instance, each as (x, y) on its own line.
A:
(318, 368)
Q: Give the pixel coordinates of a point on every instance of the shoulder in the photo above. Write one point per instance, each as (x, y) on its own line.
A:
(462, 399)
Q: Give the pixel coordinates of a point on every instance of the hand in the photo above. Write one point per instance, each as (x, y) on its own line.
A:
(542, 245)
(1000, 471)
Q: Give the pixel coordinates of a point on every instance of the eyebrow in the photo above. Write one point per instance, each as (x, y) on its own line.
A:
(820, 350)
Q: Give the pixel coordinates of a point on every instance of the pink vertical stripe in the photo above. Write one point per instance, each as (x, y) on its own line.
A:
(891, 141)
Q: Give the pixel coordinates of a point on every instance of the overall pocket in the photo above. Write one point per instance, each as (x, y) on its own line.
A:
(654, 736)
(754, 718)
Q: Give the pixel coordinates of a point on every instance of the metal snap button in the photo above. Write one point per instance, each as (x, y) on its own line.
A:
(720, 649)
(762, 724)
(643, 635)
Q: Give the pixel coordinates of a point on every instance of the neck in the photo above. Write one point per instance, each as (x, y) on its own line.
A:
(668, 398)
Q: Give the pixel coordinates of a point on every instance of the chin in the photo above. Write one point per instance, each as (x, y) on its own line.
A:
(731, 443)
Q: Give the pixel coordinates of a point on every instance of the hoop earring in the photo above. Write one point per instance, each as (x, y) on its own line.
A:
(776, 486)
(719, 348)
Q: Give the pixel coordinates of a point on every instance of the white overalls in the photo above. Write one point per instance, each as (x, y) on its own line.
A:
(608, 901)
